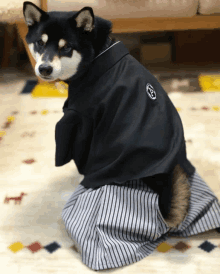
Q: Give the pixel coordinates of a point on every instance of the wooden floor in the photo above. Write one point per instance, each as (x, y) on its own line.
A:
(30, 136)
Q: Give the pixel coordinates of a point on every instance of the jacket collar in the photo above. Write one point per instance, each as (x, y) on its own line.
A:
(107, 59)
(100, 64)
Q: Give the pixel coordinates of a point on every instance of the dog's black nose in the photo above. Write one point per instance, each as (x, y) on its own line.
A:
(45, 70)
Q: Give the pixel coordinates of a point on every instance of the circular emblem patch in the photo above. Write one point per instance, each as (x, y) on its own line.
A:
(151, 92)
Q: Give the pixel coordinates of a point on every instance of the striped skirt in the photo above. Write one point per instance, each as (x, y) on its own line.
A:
(117, 225)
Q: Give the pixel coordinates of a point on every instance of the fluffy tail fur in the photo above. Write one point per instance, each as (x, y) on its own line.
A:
(180, 197)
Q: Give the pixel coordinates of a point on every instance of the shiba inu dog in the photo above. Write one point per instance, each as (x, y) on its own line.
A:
(64, 44)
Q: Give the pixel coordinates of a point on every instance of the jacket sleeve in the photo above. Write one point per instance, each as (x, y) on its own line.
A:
(66, 131)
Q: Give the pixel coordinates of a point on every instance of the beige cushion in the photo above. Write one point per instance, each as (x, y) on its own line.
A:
(12, 10)
(111, 9)
(209, 6)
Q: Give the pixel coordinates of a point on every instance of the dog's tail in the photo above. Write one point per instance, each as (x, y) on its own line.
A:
(180, 197)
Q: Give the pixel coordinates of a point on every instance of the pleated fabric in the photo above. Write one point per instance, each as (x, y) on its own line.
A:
(117, 225)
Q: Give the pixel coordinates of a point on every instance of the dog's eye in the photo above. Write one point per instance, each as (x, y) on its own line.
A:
(40, 43)
(66, 48)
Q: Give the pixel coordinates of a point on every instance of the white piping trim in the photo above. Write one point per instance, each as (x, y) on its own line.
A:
(106, 50)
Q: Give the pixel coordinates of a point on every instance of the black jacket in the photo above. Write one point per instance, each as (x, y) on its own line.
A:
(119, 124)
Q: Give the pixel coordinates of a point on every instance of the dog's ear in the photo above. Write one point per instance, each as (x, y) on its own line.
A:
(85, 19)
(32, 13)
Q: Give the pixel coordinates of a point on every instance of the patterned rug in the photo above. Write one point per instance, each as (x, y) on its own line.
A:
(34, 191)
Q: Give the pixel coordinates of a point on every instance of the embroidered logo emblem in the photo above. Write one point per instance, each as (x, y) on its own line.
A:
(151, 92)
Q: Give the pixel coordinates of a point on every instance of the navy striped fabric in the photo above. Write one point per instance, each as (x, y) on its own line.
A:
(117, 225)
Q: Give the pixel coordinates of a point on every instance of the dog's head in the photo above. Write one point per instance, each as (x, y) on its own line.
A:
(63, 43)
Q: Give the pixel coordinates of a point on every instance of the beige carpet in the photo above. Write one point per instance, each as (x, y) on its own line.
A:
(29, 136)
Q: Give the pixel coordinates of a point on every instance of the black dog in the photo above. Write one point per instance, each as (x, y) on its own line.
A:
(119, 123)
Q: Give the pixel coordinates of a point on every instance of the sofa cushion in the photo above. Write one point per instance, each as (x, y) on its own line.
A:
(209, 6)
(111, 9)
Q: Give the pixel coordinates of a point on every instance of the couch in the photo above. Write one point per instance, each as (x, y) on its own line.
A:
(128, 16)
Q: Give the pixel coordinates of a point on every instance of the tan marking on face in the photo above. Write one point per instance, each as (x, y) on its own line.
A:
(62, 43)
(35, 55)
(56, 64)
(44, 38)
